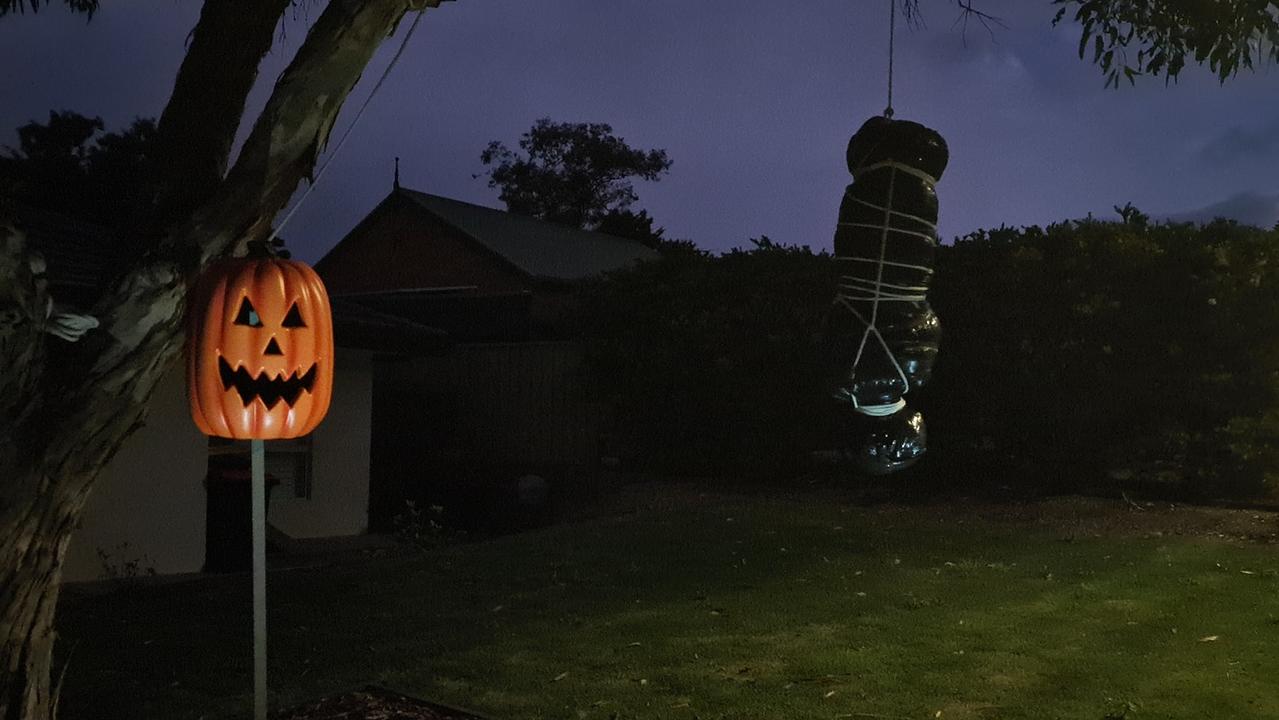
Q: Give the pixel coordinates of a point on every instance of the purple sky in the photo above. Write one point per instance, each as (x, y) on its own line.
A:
(754, 101)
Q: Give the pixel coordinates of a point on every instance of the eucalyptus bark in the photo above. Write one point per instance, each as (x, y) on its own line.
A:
(65, 409)
(198, 125)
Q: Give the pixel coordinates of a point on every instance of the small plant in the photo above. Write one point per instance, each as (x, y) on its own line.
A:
(1122, 710)
(423, 528)
(118, 565)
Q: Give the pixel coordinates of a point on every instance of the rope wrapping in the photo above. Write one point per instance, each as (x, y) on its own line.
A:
(885, 334)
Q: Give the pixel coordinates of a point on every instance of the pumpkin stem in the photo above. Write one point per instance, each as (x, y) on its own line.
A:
(263, 249)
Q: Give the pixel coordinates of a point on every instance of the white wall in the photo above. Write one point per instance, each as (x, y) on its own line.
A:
(151, 496)
(339, 502)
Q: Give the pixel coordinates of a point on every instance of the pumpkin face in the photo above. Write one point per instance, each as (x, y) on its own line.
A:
(259, 349)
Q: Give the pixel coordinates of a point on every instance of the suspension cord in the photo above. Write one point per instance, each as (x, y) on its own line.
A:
(892, 32)
(345, 134)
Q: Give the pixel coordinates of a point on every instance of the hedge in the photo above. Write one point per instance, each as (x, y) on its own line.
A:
(1082, 355)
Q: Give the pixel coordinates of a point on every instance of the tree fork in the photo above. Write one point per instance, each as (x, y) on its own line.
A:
(198, 125)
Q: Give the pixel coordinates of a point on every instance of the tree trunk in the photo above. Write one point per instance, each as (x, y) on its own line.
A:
(27, 603)
(66, 412)
(199, 122)
(46, 471)
(28, 573)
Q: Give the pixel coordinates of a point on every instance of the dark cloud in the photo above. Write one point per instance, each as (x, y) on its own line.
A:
(1248, 208)
(1238, 143)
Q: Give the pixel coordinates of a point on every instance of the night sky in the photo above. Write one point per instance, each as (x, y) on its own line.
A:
(753, 101)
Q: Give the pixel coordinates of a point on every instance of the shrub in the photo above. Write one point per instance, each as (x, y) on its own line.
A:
(1091, 350)
(1083, 352)
(713, 364)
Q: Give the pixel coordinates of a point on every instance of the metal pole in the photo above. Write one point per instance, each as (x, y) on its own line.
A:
(258, 454)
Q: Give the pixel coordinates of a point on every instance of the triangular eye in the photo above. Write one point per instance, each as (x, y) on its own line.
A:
(293, 318)
(247, 315)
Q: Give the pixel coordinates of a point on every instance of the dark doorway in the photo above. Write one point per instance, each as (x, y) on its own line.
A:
(228, 527)
(410, 429)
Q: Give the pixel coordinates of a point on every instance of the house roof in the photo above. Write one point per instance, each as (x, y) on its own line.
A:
(356, 325)
(542, 250)
(460, 316)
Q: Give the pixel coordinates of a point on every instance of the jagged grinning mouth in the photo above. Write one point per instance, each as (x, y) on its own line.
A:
(268, 390)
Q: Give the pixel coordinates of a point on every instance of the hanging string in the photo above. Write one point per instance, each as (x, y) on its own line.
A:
(892, 32)
(342, 140)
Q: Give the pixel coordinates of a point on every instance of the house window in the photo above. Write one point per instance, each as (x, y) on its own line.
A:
(287, 461)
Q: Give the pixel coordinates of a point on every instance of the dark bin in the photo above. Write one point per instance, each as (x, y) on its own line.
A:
(228, 529)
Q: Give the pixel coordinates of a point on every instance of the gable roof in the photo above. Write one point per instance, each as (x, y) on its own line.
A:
(541, 249)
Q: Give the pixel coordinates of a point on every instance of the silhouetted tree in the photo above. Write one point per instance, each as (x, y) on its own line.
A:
(69, 166)
(1132, 216)
(633, 225)
(574, 174)
(639, 226)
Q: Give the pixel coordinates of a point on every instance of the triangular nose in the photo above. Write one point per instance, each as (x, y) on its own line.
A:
(272, 348)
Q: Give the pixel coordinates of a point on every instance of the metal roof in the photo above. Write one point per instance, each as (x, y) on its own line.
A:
(541, 249)
(461, 316)
(356, 325)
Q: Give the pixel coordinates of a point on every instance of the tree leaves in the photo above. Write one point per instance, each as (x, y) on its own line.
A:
(572, 174)
(87, 7)
(1227, 35)
(68, 166)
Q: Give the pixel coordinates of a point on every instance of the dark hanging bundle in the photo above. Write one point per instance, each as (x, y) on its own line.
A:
(884, 334)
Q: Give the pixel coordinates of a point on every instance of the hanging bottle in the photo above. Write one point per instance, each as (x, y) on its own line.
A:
(883, 332)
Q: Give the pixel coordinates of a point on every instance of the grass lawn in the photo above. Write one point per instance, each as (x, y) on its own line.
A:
(732, 606)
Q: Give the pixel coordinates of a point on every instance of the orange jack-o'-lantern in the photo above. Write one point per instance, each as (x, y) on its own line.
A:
(259, 349)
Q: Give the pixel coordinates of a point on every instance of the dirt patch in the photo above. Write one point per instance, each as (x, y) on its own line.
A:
(372, 702)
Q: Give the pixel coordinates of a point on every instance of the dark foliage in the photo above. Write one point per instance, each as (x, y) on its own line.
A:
(713, 363)
(639, 226)
(1086, 355)
(1101, 353)
(88, 7)
(71, 167)
(1156, 37)
(632, 225)
(575, 174)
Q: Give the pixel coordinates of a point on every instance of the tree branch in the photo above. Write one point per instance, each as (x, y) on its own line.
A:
(198, 125)
(915, 18)
(967, 11)
(1226, 35)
